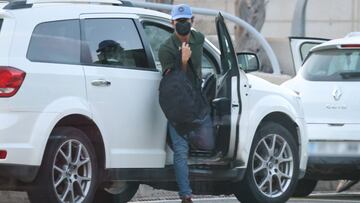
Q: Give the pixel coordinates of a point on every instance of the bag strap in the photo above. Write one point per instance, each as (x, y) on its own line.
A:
(192, 70)
(197, 77)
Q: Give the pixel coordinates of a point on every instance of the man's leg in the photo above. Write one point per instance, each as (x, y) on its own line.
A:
(181, 150)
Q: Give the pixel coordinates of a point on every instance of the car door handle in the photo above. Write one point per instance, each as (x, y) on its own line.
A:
(101, 83)
(235, 105)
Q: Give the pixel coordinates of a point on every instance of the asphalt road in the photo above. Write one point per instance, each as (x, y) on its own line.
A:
(350, 197)
(315, 198)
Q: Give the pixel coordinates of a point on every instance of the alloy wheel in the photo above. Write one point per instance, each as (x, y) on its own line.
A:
(72, 172)
(273, 165)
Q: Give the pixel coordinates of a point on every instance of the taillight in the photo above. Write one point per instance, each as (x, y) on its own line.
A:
(3, 154)
(10, 80)
(350, 46)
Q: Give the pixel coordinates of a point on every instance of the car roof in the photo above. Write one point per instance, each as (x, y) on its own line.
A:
(352, 38)
(74, 9)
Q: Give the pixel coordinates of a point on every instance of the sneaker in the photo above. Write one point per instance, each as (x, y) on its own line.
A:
(186, 200)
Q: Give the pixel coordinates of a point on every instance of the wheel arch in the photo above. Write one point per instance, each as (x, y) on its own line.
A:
(284, 120)
(297, 129)
(81, 121)
(279, 117)
(89, 127)
(249, 184)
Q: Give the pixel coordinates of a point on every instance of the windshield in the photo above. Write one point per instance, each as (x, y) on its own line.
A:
(333, 65)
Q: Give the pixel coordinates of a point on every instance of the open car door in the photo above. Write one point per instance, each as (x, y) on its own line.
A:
(227, 102)
(300, 48)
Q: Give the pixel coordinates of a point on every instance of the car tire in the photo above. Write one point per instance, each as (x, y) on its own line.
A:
(305, 187)
(122, 196)
(69, 171)
(275, 165)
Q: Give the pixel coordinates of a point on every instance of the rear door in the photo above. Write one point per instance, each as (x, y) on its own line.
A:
(227, 87)
(300, 48)
(122, 86)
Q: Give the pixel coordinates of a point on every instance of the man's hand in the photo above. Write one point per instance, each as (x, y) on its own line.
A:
(185, 54)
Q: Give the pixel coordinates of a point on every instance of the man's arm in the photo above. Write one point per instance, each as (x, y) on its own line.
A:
(167, 60)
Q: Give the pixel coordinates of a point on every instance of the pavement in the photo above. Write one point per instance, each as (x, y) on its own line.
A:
(314, 198)
(319, 197)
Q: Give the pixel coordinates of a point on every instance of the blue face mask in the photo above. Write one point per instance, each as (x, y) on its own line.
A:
(183, 28)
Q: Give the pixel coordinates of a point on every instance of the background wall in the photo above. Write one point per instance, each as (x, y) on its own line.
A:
(324, 18)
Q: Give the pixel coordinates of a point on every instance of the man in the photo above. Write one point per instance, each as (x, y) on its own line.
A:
(190, 44)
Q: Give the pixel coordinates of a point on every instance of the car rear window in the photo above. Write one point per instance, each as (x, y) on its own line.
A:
(333, 65)
(56, 42)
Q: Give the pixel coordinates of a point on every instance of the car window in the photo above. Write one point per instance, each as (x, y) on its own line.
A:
(305, 49)
(228, 56)
(333, 65)
(157, 34)
(113, 43)
(208, 64)
(55, 42)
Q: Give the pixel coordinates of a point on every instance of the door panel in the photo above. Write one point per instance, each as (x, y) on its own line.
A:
(227, 87)
(123, 92)
(300, 48)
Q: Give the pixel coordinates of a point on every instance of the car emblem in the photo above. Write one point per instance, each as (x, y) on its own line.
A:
(337, 94)
(181, 9)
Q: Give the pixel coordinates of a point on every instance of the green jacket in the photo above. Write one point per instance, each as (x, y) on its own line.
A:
(170, 49)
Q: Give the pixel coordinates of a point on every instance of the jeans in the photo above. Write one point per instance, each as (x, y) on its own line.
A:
(202, 138)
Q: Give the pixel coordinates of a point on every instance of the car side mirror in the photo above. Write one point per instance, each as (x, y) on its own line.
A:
(248, 62)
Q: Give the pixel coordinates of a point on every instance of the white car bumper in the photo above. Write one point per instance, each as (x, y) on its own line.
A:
(16, 129)
(333, 152)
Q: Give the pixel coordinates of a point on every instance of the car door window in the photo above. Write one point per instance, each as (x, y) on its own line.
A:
(113, 43)
(56, 42)
(208, 64)
(228, 56)
(157, 34)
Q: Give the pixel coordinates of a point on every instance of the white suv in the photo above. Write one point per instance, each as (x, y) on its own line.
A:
(81, 122)
(328, 83)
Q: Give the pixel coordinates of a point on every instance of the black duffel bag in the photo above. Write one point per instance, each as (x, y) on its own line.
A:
(182, 102)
